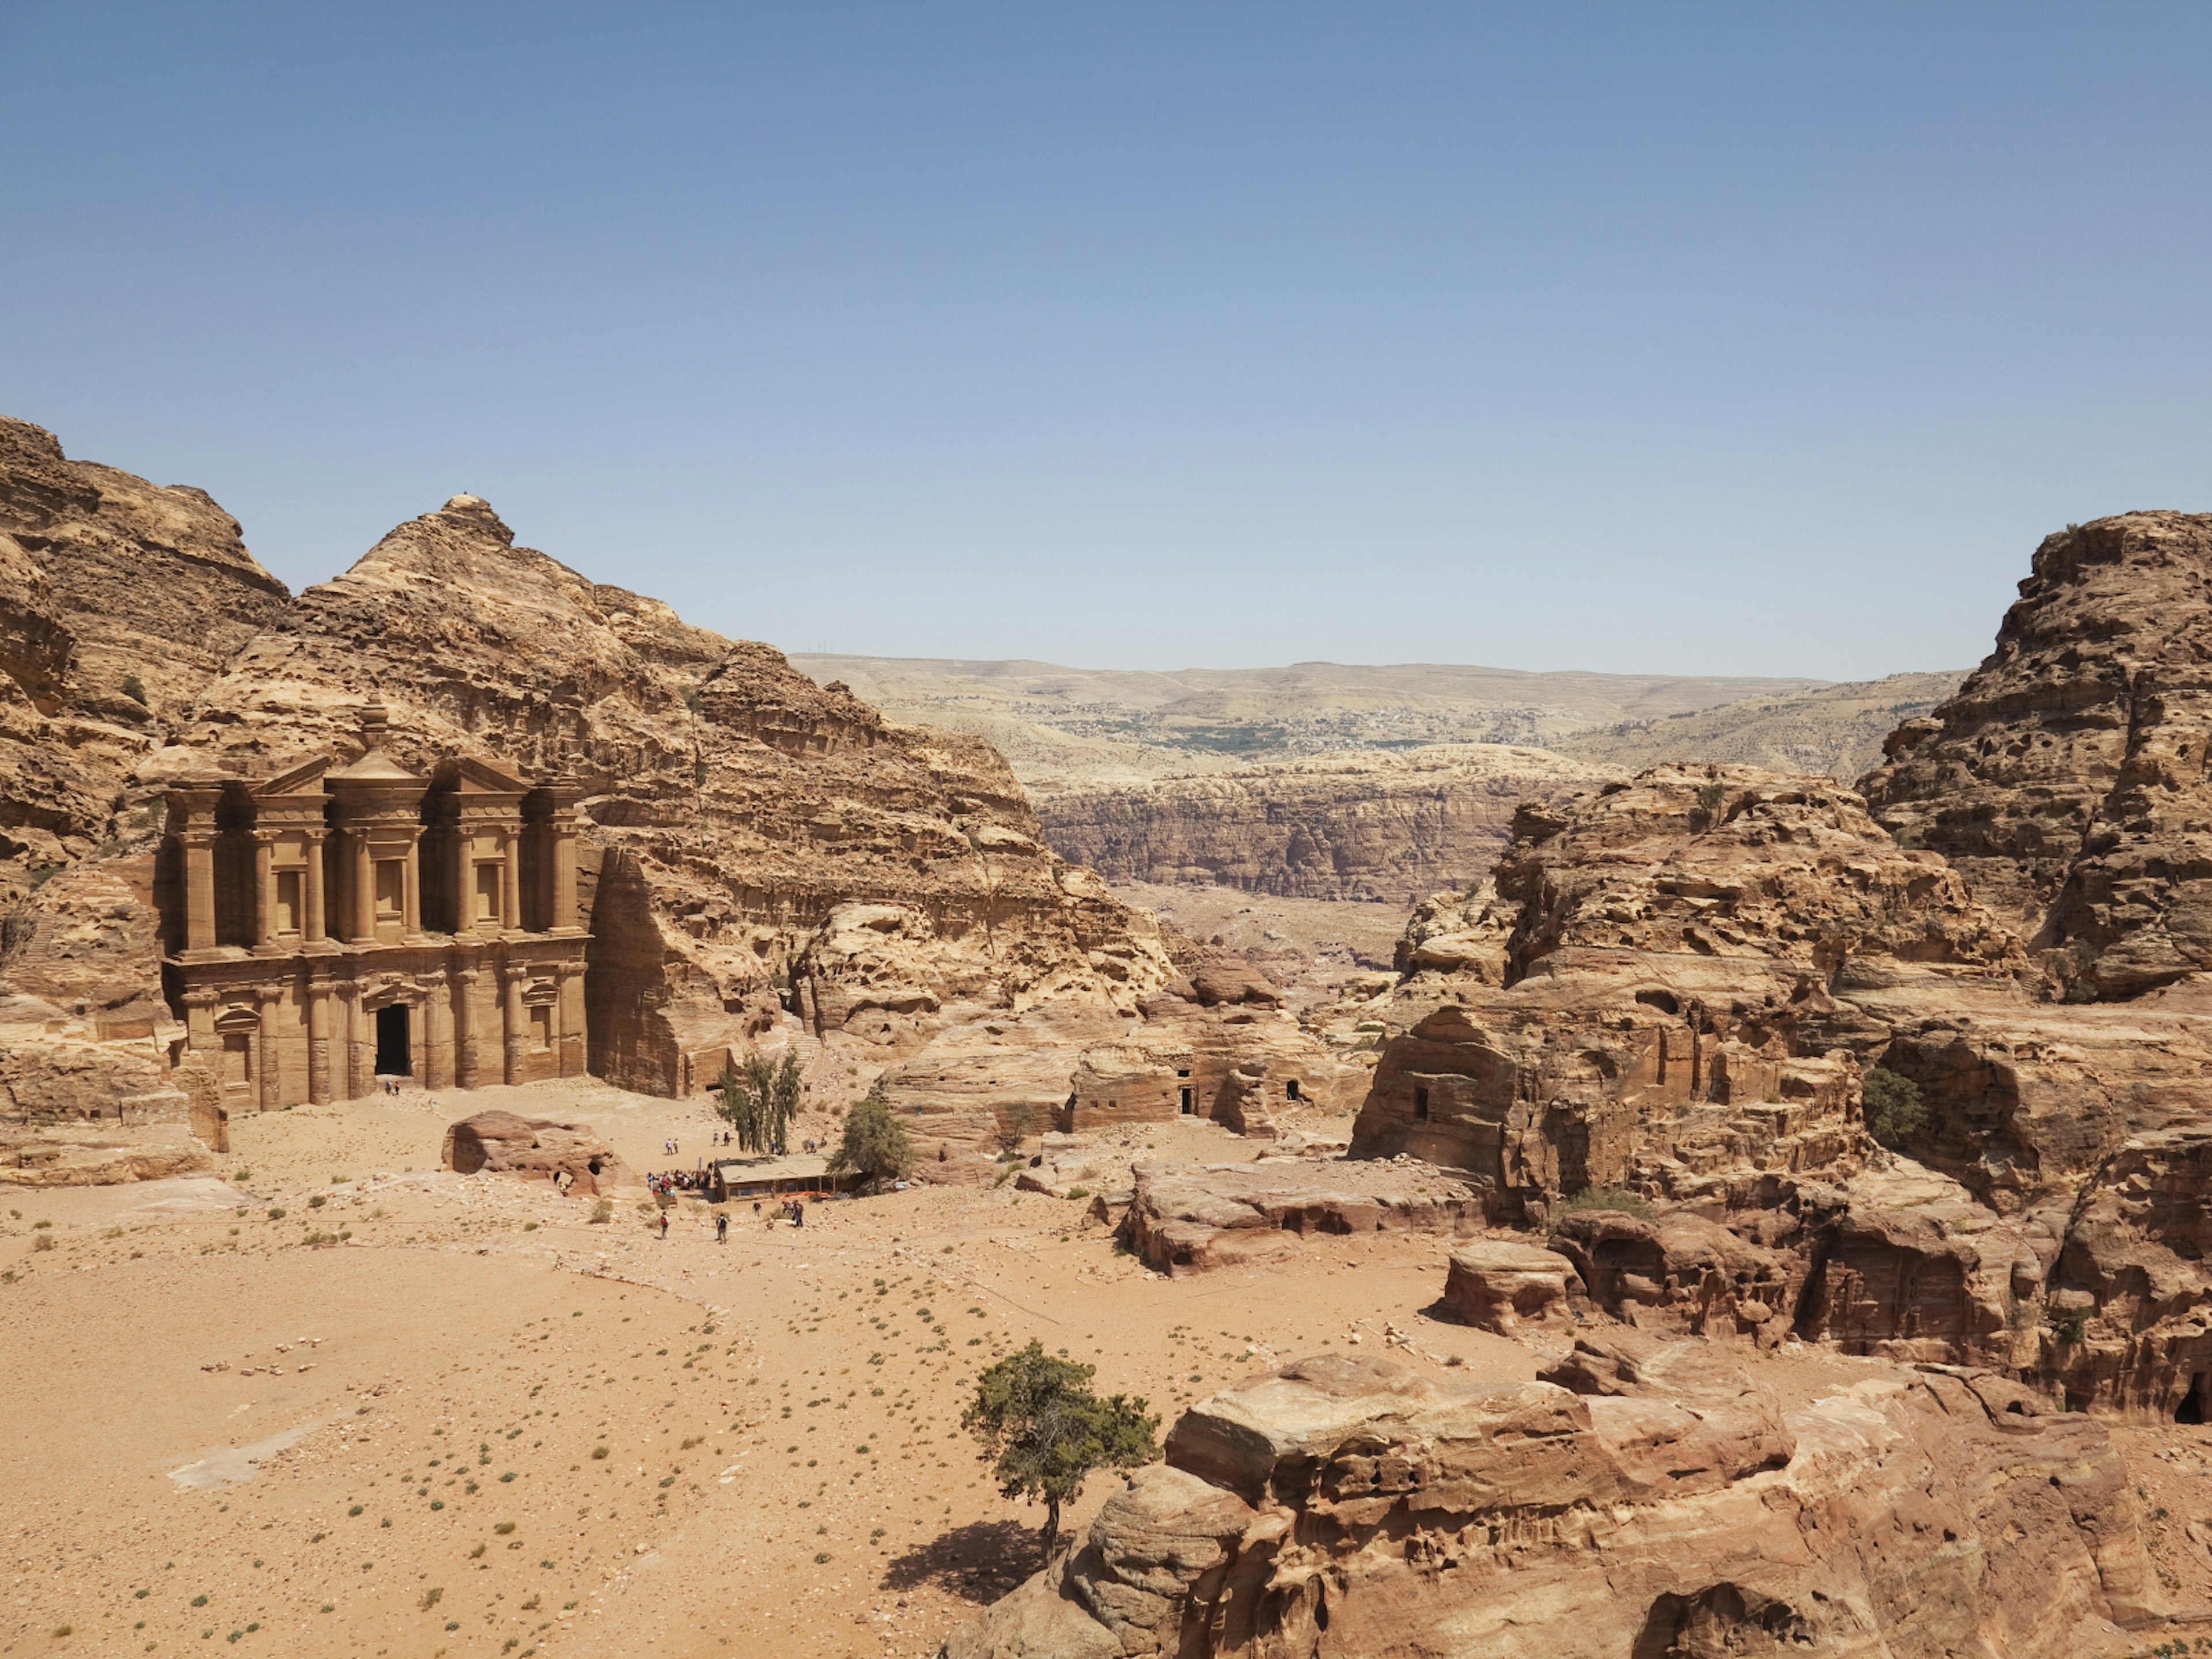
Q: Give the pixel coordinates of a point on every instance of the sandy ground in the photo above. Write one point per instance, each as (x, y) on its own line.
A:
(451, 1416)
(693, 1448)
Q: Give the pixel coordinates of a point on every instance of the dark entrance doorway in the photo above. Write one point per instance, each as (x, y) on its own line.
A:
(392, 1055)
(2191, 1409)
(1186, 1102)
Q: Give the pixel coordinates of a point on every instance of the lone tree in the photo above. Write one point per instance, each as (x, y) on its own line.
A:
(874, 1144)
(1036, 1417)
(1891, 1104)
(760, 1102)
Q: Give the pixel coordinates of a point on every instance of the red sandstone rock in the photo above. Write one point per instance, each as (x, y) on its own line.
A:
(1193, 1218)
(536, 1149)
(1662, 1504)
(1499, 1286)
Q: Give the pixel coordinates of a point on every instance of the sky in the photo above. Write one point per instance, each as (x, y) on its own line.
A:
(1687, 338)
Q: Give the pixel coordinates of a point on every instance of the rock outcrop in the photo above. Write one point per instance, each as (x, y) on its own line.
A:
(1650, 1499)
(1499, 1285)
(1654, 990)
(2065, 779)
(570, 1155)
(1186, 1218)
(755, 831)
(1389, 826)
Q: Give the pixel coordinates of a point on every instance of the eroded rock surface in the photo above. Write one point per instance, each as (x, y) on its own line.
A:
(1196, 1218)
(1652, 1499)
(571, 1156)
(1363, 825)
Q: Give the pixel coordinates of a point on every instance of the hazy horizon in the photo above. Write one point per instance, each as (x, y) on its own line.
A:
(1621, 338)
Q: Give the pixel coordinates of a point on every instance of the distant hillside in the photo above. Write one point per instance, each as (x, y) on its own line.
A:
(1835, 729)
(1071, 728)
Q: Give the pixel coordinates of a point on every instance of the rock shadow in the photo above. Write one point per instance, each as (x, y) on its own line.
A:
(979, 1563)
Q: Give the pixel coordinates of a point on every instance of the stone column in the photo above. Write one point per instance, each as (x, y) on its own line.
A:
(199, 1028)
(264, 889)
(564, 871)
(465, 1028)
(510, 882)
(312, 925)
(360, 1045)
(200, 889)
(514, 976)
(271, 1081)
(437, 1032)
(318, 1039)
(464, 882)
(575, 1052)
(364, 888)
(411, 904)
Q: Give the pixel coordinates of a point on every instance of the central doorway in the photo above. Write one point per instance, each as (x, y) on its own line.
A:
(392, 1055)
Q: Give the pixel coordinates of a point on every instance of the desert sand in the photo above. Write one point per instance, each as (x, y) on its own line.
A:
(422, 1359)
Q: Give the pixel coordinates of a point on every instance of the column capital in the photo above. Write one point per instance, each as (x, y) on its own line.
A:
(266, 838)
(201, 998)
(431, 979)
(269, 991)
(467, 976)
(509, 972)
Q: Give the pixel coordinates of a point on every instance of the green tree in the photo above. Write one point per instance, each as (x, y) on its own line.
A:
(1044, 1429)
(874, 1144)
(760, 1101)
(1893, 1105)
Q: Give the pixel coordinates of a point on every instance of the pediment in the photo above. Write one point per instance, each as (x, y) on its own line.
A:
(305, 778)
(464, 775)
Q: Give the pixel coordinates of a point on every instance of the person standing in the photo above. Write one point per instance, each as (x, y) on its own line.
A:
(664, 1224)
(722, 1227)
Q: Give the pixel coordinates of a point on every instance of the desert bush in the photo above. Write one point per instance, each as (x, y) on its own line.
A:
(1891, 1104)
(1607, 1198)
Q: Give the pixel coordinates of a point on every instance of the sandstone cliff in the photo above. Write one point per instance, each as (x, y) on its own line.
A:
(118, 601)
(759, 836)
(1362, 825)
(1644, 1498)
(2066, 779)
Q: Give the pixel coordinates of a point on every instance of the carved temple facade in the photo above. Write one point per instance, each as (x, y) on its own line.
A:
(331, 926)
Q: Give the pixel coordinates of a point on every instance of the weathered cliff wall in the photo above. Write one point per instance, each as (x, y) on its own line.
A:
(1362, 825)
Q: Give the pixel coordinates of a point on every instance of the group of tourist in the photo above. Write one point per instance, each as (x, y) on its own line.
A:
(679, 1181)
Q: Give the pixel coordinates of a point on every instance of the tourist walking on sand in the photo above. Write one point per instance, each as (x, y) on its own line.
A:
(664, 1224)
(722, 1227)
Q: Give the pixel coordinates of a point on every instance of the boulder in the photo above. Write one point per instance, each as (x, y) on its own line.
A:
(1498, 1285)
(1186, 1218)
(536, 1149)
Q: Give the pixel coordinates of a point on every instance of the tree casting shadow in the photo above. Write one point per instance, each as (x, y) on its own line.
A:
(979, 1562)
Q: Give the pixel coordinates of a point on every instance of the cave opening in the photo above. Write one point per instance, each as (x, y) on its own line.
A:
(2191, 1409)
(394, 1057)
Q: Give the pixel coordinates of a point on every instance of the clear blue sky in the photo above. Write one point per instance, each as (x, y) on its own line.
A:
(1757, 338)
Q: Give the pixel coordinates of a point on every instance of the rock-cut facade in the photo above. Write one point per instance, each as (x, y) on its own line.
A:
(329, 925)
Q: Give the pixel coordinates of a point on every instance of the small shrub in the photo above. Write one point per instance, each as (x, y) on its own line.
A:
(317, 1201)
(504, 1528)
(1079, 1192)
(431, 1597)
(1609, 1198)
(604, 1210)
(2070, 1327)
(43, 1241)
(275, 1215)
(1892, 1106)
(1709, 796)
(598, 1453)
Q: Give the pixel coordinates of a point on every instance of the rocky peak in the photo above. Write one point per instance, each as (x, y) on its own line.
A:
(475, 513)
(2067, 778)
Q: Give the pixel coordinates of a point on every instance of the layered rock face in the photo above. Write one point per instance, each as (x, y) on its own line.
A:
(755, 833)
(1363, 825)
(2066, 779)
(1644, 1499)
(1653, 991)
(1185, 1219)
(107, 584)
(758, 847)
